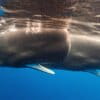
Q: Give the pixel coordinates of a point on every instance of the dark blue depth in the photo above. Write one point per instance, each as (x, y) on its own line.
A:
(29, 84)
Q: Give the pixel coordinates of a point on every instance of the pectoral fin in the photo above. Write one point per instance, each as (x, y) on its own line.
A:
(95, 72)
(42, 68)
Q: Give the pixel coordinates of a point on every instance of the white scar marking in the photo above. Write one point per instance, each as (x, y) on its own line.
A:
(12, 28)
(36, 27)
(33, 27)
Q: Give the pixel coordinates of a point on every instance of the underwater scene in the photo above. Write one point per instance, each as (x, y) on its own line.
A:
(49, 49)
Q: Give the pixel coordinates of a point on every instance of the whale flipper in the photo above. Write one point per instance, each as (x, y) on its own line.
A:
(42, 68)
(94, 72)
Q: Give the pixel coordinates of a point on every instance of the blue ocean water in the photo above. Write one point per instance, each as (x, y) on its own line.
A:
(1, 12)
(29, 84)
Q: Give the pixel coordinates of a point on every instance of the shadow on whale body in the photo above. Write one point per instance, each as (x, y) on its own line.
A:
(50, 34)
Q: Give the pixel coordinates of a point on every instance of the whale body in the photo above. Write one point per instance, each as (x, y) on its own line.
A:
(42, 32)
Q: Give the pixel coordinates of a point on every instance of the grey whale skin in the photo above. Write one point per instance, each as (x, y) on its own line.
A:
(36, 32)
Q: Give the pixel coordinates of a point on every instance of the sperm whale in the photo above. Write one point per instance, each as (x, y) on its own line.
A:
(40, 32)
